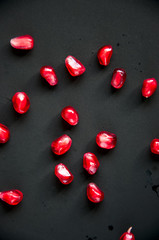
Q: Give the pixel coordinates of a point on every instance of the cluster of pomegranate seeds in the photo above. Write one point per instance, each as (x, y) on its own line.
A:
(149, 87)
(106, 140)
(12, 197)
(104, 55)
(4, 133)
(70, 115)
(61, 145)
(48, 73)
(74, 66)
(63, 174)
(21, 102)
(94, 193)
(25, 42)
(119, 77)
(90, 163)
(128, 235)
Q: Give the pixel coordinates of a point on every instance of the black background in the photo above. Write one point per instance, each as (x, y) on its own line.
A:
(128, 174)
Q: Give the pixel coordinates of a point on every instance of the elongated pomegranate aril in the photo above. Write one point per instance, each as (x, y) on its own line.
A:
(70, 115)
(118, 78)
(12, 197)
(74, 66)
(61, 144)
(106, 140)
(149, 87)
(104, 54)
(63, 174)
(21, 102)
(128, 235)
(90, 163)
(94, 193)
(4, 133)
(154, 146)
(25, 42)
(48, 73)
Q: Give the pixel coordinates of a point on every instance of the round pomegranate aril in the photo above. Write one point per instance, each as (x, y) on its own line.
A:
(25, 42)
(149, 87)
(154, 146)
(48, 73)
(104, 54)
(12, 197)
(74, 66)
(94, 193)
(21, 102)
(4, 133)
(128, 235)
(63, 174)
(61, 145)
(90, 163)
(118, 78)
(70, 115)
(106, 140)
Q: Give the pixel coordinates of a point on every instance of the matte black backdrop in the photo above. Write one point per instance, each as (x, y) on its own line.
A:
(129, 174)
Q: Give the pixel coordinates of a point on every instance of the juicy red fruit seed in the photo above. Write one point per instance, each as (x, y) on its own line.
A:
(25, 42)
(128, 235)
(74, 66)
(106, 140)
(4, 133)
(94, 193)
(48, 73)
(118, 78)
(154, 146)
(90, 163)
(70, 115)
(63, 174)
(61, 145)
(12, 197)
(104, 54)
(149, 87)
(21, 102)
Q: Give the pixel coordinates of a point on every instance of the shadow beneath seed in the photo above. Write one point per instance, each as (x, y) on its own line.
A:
(19, 52)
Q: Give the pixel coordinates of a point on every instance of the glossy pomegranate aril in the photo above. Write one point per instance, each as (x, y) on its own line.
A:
(128, 235)
(21, 102)
(106, 140)
(74, 66)
(48, 73)
(155, 146)
(12, 197)
(104, 54)
(149, 87)
(118, 78)
(4, 133)
(90, 163)
(63, 174)
(25, 42)
(94, 193)
(61, 145)
(70, 115)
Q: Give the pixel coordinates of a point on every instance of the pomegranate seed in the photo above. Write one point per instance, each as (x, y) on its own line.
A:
(25, 42)
(119, 77)
(155, 146)
(70, 115)
(63, 174)
(128, 235)
(149, 87)
(48, 73)
(12, 197)
(106, 140)
(104, 54)
(90, 163)
(61, 144)
(74, 66)
(4, 133)
(94, 193)
(21, 102)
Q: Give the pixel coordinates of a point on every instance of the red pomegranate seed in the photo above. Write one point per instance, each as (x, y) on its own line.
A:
(149, 87)
(106, 140)
(63, 174)
(74, 66)
(25, 42)
(12, 197)
(4, 133)
(128, 235)
(61, 144)
(70, 115)
(119, 77)
(94, 193)
(21, 102)
(155, 146)
(90, 163)
(48, 73)
(104, 54)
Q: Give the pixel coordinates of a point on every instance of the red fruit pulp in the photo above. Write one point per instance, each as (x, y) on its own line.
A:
(155, 146)
(104, 54)
(128, 235)
(4, 133)
(61, 145)
(119, 77)
(12, 197)
(63, 174)
(106, 140)
(70, 115)
(21, 102)
(94, 193)
(90, 163)
(48, 73)
(74, 66)
(25, 42)
(149, 87)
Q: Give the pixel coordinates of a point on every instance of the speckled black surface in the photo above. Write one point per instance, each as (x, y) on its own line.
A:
(129, 174)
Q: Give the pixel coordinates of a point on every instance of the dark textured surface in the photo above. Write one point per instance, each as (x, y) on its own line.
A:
(129, 174)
